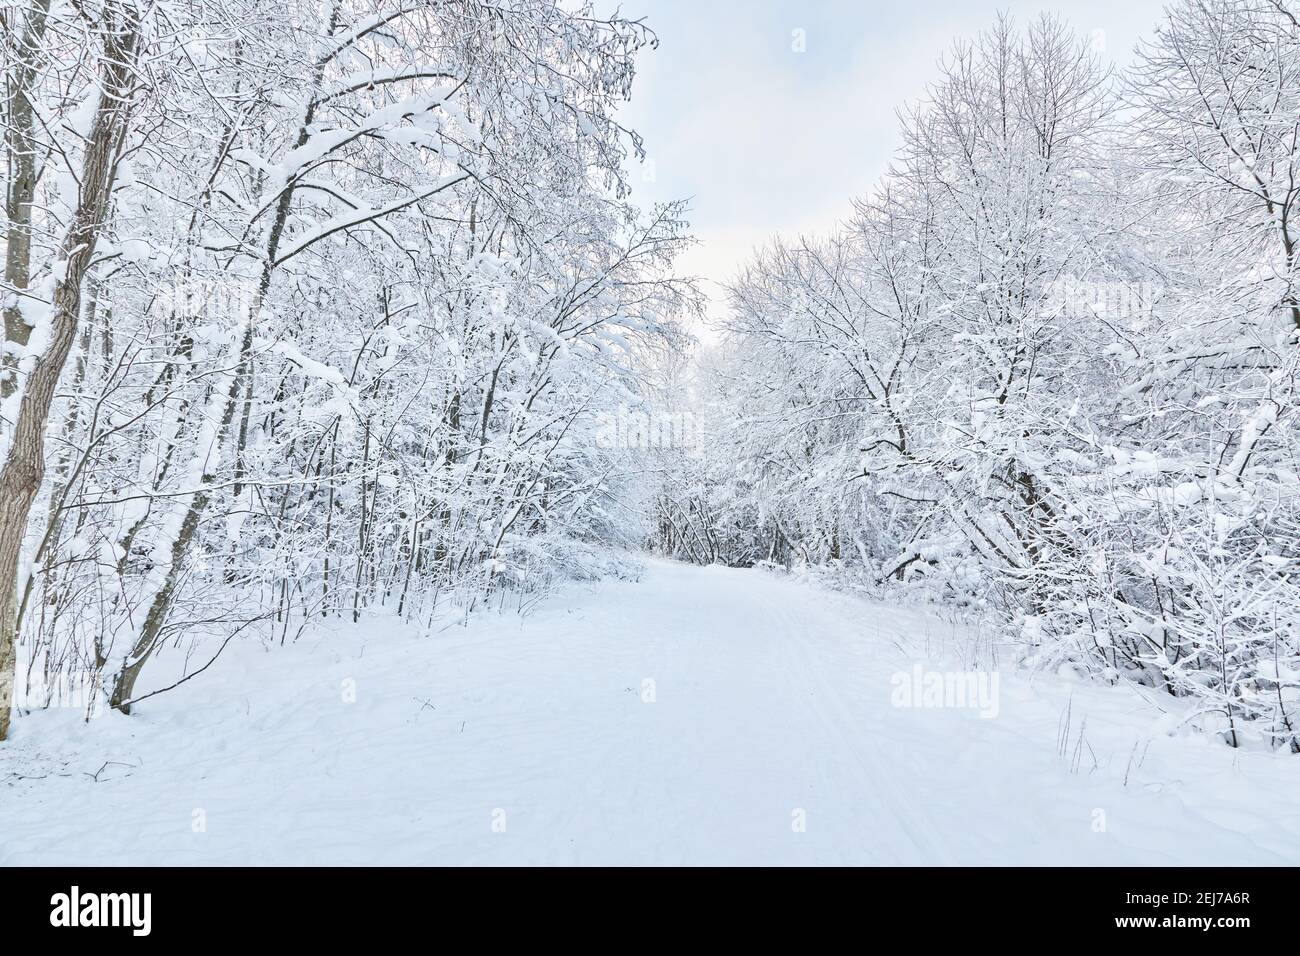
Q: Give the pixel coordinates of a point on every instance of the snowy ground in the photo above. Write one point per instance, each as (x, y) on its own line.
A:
(538, 740)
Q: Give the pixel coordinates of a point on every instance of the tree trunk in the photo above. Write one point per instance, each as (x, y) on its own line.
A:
(160, 606)
(21, 147)
(24, 464)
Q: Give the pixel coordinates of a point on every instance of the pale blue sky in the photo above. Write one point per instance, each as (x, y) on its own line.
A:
(765, 139)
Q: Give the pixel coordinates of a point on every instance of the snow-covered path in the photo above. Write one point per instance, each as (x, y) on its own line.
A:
(699, 716)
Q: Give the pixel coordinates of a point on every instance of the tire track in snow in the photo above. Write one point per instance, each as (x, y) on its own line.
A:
(796, 636)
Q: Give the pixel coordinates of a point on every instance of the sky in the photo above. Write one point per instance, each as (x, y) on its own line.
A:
(771, 115)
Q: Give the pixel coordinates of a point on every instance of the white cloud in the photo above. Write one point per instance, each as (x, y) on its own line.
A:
(767, 140)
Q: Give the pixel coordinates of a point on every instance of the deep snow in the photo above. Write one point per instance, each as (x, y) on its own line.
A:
(538, 740)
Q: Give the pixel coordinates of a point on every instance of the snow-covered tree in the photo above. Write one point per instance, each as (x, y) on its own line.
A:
(1048, 369)
(368, 276)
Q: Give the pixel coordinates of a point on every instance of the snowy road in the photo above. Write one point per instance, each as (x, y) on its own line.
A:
(700, 716)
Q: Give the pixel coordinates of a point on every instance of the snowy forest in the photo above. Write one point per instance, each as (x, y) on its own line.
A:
(306, 314)
(1049, 368)
(321, 313)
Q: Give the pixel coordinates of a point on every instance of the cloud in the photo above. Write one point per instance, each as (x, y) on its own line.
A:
(764, 139)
